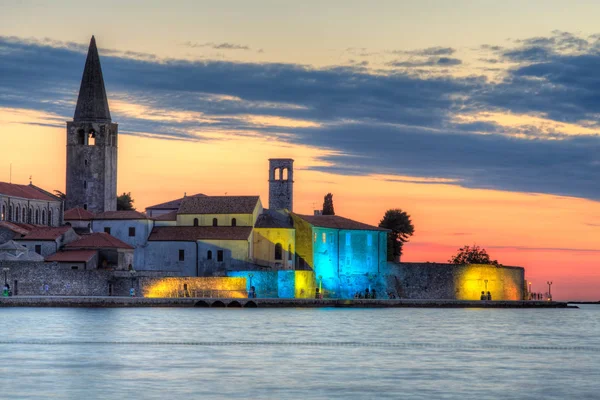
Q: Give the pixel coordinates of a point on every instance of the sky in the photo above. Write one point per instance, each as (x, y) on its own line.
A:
(478, 118)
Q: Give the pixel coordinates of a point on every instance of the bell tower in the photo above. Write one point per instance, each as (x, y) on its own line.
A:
(92, 144)
(281, 184)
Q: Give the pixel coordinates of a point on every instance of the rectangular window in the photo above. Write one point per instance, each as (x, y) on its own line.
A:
(131, 231)
(107, 229)
(181, 255)
(369, 240)
(324, 237)
(220, 255)
(74, 267)
(38, 248)
(315, 237)
(348, 239)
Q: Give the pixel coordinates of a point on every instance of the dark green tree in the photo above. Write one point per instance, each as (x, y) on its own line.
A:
(328, 205)
(472, 255)
(401, 227)
(125, 202)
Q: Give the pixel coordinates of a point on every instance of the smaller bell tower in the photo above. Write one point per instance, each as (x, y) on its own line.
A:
(281, 184)
(92, 144)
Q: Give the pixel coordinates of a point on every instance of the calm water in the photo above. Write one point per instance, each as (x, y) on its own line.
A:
(299, 353)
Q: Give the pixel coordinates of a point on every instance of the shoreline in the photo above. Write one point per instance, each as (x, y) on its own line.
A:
(118, 302)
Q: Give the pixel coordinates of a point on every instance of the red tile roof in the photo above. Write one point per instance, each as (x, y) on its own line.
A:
(112, 215)
(78, 214)
(46, 233)
(16, 228)
(337, 222)
(99, 240)
(219, 205)
(173, 204)
(72, 256)
(170, 216)
(194, 233)
(26, 192)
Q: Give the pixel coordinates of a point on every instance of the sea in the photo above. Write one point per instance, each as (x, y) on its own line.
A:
(400, 353)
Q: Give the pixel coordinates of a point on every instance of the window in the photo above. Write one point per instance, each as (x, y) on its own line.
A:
(30, 216)
(85, 184)
(284, 174)
(85, 162)
(315, 237)
(195, 221)
(348, 239)
(220, 255)
(131, 231)
(369, 240)
(76, 267)
(49, 217)
(3, 216)
(80, 136)
(43, 217)
(37, 217)
(38, 248)
(92, 138)
(324, 237)
(278, 251)
(215, 222)
(17, 214)
(181, 255)
(10, 213)
(233, 222)
(289, 252)
(107, 229)
(209, 255)
(24, 216)
(85, 206)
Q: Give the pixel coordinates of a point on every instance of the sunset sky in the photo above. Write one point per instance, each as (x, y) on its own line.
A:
(478, 118)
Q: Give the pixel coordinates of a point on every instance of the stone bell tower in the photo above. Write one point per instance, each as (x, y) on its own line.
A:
(281, 184)
(92, 144)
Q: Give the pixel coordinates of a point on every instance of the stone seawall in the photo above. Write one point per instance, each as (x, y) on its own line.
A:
(105, 301)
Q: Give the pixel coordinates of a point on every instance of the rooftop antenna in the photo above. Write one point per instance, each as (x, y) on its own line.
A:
(30, 179)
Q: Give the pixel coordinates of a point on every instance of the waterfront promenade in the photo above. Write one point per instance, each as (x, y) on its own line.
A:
(116, 301)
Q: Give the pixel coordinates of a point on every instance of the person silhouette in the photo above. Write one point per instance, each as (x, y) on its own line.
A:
(489, 296)
(483, 296)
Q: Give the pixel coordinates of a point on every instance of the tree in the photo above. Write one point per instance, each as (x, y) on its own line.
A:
(60, 195)
(401, 227)
(472, 255)
(125, 202)
(328, 205)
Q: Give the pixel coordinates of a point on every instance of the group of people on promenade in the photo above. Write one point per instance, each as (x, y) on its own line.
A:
(486, 296)
(368, 294)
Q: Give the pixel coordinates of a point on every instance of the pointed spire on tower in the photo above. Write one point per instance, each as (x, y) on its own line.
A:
(92, 103)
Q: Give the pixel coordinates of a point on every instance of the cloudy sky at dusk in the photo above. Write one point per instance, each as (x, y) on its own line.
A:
(479, 118)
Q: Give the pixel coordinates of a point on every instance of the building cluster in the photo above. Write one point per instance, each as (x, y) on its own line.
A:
(196, 236)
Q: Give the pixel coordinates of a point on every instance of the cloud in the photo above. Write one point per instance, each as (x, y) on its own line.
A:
(382, 123)
(430, 51)
(430, 62)
(219, 46)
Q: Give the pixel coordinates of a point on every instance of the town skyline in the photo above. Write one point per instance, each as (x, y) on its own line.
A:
(182, 132)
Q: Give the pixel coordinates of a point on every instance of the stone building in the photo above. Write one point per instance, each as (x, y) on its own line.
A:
(168, 207)
(79, 219)
(131, 227)
(29, 204)
(92, 140)
(47, 241)
(112, 253)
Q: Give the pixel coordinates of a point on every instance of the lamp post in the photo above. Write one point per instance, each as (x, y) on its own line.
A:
(529, 290)
(549, 290)
(5, 290)
(250, 276)
(132, 289)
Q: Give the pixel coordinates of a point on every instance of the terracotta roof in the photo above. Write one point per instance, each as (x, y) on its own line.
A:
(26, 192)
(337, 222)
(270, 219)
(194, 233)
(219, 205)
(121, 215)
(170, 216)
(16, 228)
(72, 256)
(78, 214)
(99, 240)
(46, 233)
(173, 204)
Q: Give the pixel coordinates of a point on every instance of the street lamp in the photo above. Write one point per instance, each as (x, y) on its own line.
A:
(5, 278)
(529, 290)
(251, 293)
(549, 290)
(132, 289)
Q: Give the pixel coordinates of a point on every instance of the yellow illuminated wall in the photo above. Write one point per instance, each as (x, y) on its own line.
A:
(214, 287)
(504, 283)
(264, 242)
(305, 284)
(223, 219)
(304, 241)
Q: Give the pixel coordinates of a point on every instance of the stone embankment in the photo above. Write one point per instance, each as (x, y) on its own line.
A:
(114, 301)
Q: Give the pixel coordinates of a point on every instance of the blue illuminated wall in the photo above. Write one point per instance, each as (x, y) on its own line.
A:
(283, 284)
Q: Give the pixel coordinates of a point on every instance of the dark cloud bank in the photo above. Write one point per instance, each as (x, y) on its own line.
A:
(394, 123)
